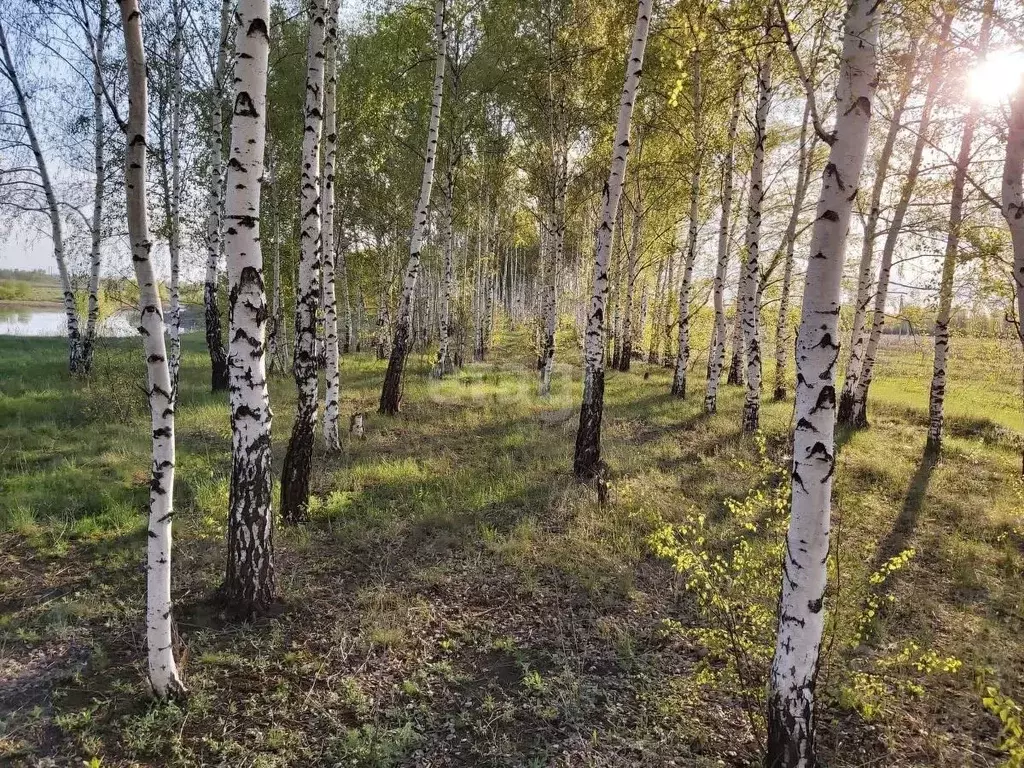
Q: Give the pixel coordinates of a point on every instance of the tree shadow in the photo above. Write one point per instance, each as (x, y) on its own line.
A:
(906, 522)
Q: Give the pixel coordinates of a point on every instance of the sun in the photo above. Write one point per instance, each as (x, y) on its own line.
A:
(995, 78)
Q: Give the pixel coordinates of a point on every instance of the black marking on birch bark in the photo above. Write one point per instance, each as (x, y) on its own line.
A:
(819, 449)
(826, 399)
(798, 480)
(786, 618)
(258, 26)
(244, 106)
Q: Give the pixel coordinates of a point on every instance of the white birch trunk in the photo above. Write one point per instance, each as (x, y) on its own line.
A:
(277, 352)
(683, 352)
(52, 208)
(174, 207)
(665, 331)
(751, 265)
(866, 272)
(789, 243)
(346, 299)
(1013, 200)
(299, 457)
(332, 436)
(937, 394)
(249, 584)
(654, 344)
(791, 687)
(587, 458)
(391, 392)
(632, 257)
(162, 669)
(716, 359)
(214, 202)
(860, 392)
(99, 166)
(556, 244)
(444, 364)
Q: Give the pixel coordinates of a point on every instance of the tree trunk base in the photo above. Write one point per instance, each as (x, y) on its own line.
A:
(789, 744)
(844, 413)
(751, 417)
(298, 462)
(779, 394)
(391, 392)
(587, 459)
(626, 358)
(859, 418)
(735, 376)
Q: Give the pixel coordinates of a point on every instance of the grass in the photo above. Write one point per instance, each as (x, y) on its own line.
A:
(458, 599)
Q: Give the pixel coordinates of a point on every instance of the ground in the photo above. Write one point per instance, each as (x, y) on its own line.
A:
(458, 600)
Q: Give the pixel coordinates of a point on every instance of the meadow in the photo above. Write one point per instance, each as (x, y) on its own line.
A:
(457, 599)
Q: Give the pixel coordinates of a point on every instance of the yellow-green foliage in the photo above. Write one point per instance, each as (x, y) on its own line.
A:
(1011, 716)
(727, 579)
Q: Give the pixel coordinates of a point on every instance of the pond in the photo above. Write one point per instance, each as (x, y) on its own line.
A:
(50, 321)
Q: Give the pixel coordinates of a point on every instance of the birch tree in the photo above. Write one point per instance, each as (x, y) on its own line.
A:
(748, 287)
(249, 584)
(10, 72)
(791, 686)
(97, 43)
(683, 350)
(333, 379)
(865, 272)
(937, 392)
(299, 458)
(587, 458)
(211, 314)
(1012, 199)
(860, 393)
(445, 363)
(716, 358)
(803, 175)
(162, 669)
(391, 392)
(169, 122)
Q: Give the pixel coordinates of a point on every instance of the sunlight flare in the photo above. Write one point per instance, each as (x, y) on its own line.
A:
(995, 78)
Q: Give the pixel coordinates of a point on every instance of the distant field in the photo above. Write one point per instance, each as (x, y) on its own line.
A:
(33, 287)
(458, 599)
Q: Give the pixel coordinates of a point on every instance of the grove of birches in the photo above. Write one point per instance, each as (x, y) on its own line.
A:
(574, 383)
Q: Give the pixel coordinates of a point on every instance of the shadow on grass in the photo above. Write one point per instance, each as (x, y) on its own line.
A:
(906, 522)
